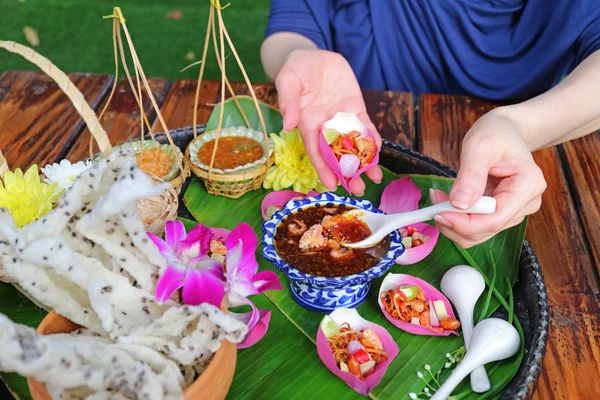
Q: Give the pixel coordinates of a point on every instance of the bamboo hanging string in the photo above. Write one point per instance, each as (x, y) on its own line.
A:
(229, 185)
(118, 22)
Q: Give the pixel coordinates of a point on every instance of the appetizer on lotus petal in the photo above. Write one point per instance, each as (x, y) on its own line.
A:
(415, 306)
(354, 349)
(357, 352)
(348, 147)
(419, 239)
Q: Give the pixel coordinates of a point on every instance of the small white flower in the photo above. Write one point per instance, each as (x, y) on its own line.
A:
(426, 390)
(64, 173)
(419, 375)
(448, 355)
(427, 367)
(412, 396)
(447, 365)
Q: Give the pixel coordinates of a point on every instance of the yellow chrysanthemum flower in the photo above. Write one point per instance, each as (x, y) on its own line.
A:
(25, 196)
(292, 166)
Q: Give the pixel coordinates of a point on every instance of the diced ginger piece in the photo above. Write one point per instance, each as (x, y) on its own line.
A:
(440, 310)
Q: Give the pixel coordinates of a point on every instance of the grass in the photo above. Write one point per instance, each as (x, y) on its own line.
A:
(74, 36)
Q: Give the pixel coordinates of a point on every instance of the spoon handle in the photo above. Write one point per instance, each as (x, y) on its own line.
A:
(485, 205)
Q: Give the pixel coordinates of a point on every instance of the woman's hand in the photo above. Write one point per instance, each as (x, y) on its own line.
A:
(496, 161)
(313, 85)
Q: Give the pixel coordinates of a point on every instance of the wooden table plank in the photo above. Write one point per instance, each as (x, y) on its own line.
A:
(444, 121)
(38, 123)
(582, 161)
(177, 109)
(572, 361)
(392, 114)
(122, 118)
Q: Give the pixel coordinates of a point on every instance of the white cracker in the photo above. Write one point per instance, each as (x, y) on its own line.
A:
(79, 362)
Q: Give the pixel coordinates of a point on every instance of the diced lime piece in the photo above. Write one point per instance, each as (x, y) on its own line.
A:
(330, 135)
(407, 242)
(329, 326)
(410, 291)
(271, 210)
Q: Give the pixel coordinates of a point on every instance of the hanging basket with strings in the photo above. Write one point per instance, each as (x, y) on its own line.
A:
(155, 211)
(151, 155)
(240, 179)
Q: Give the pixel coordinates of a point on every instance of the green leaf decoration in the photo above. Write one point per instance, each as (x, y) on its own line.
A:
(285, 363)
(286, 358)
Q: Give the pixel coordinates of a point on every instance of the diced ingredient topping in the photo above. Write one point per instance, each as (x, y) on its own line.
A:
(344, 366)
(356, 352)
(363, 148)
(410, 291)
(271, 210)
(411, 237)
(415, 321)
(329, 327)
(440, 310)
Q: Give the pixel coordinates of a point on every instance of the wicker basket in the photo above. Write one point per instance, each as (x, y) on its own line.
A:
(155, 211)
(232, 185)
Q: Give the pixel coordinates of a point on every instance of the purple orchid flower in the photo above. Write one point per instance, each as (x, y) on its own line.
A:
(242, 280)
(188, 265)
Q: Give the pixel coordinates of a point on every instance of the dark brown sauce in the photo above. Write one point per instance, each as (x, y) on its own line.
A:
(320, 262)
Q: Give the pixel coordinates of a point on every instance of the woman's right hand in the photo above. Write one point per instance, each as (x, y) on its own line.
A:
(313, 85)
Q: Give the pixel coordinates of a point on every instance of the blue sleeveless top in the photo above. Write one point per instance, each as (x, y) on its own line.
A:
(507, 50)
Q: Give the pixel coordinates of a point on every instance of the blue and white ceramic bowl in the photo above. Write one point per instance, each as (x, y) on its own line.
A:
(325, 294)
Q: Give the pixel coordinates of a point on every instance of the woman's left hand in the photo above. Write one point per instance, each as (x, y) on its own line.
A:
(494, 161)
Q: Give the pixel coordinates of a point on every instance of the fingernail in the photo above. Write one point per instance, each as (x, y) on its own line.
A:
(442, 221)
(462, 198)
(432, 196)
(359, 194)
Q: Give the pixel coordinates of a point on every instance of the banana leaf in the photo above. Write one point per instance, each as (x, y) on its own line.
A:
(285, 364)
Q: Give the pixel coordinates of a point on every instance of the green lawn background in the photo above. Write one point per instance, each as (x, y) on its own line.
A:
(74, 36)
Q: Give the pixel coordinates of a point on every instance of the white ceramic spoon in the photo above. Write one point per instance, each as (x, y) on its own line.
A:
(382, 224)
(463, 285)
(493, 340)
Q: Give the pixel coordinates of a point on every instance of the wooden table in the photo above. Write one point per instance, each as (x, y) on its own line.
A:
(38, 124)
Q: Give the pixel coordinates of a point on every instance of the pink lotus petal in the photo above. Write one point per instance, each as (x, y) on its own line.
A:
(394, 281)
(258, 331)
(170, 281)
(220, 234)
(163, 247)
(416, 254)
(266, 280)
(200, 287)
(174, 232)
(401, 195)
(343, 126)
(362, 386)
(245, 234)
(197, 241)
(280, 197)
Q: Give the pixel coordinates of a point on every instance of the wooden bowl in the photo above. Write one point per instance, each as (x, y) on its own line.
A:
(213, 384)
